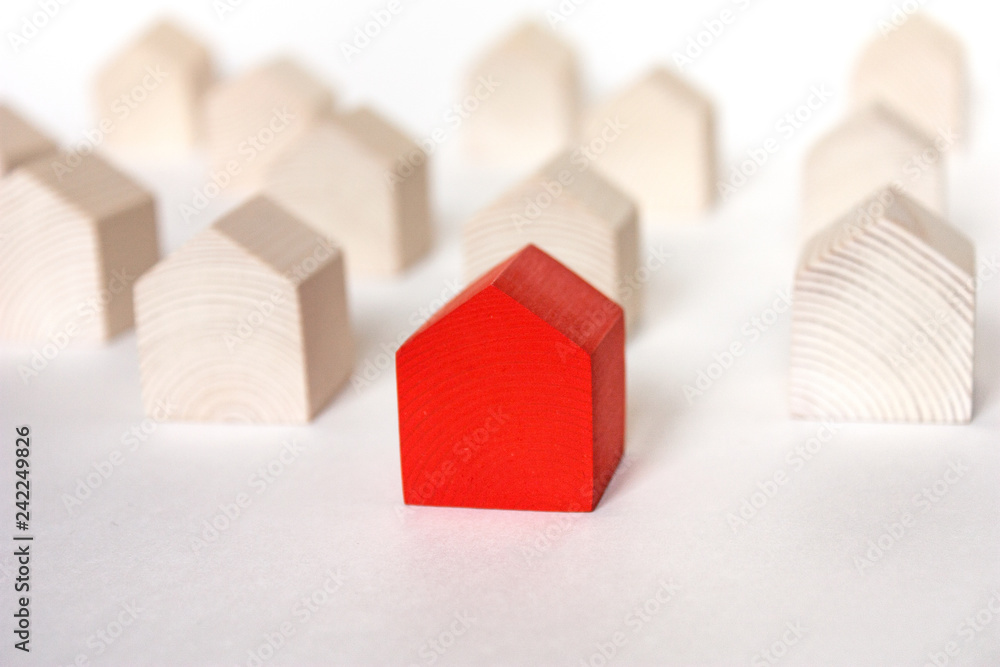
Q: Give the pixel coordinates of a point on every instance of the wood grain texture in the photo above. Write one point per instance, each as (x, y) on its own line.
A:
(871, 149)
(74, 241)
(247, 321)
(151, 93)
(918, 70)
(20, 141)
(362, 182)
(883, 318)
(521, 100)
(512, 396)
(572, 213)
(656, 140)
(251, 118)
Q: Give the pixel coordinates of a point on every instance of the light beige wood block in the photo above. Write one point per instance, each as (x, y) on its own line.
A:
(250, 119)
(656, 140)
(575, 215)
(20, 141)
(363, 183)
(71, 246)
(919, 70)
(247, 321)
(883, 318)
(871, 149)
(520, 103)
(149, 95)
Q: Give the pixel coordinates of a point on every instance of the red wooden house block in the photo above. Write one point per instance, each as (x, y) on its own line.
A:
(512, 396)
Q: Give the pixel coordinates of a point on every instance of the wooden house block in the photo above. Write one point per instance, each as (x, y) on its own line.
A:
(20, 141)
(521, 99)
(245, 322)
(150, 95)
(361, 182)
(871, 149)
(571, 212)
(656, 140)
(72, 242)
(250, 119)
(919, 71)
(883, 317)
(512, 396)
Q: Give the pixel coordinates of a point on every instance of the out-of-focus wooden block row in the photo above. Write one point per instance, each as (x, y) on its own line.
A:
(275, 128)
(655, 139)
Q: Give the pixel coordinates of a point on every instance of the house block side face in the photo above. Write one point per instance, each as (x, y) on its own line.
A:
(250, 120)
(51, 285)
(608, 391)
(525, 94)
(339, 186)
(328, 344)
(657, 142)
(882, 326)
(495, 410)
(219, 336)
(150, 94)
(128, 247)
(919, 70)
(871, 150)
(20, 141)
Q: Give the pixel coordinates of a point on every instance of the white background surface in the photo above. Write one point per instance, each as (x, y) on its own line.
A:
(538, 588)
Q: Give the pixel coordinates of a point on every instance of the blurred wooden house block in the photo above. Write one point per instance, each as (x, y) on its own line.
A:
(149, 96)
(871, 149)
(521, 100)
(250, 119)
(363, 183)
(573, 213)
(72, 242)
(918, 70)
(656, 140)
